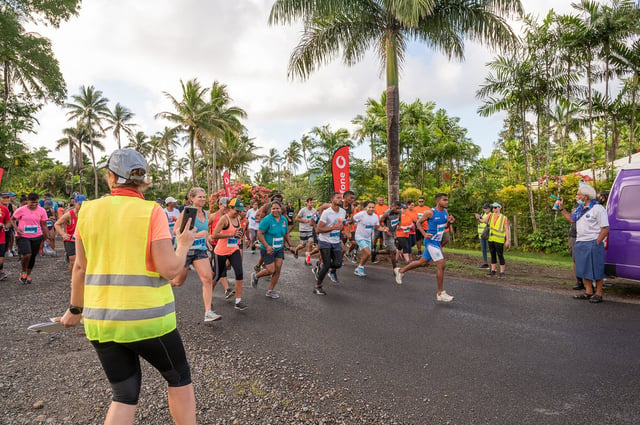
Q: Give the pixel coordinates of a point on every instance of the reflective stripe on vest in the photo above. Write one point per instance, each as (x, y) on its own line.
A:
(498, 232)
(123, 300)
(482, 225)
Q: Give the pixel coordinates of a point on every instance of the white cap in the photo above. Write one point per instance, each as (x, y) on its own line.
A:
(170, 199)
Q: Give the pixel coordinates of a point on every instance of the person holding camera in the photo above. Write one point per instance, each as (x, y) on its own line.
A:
(499, 238)
(483, 235)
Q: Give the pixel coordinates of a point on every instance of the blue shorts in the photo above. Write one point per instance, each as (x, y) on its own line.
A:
(271, 258)
(363, 244)
(432, 252)
(589, 258)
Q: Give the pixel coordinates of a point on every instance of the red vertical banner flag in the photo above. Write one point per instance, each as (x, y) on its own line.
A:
(340, 169)
(227, 183)
(1, 173)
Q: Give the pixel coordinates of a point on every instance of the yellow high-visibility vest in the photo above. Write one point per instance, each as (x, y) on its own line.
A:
(123, 300)
(482, 225)
(498, 231)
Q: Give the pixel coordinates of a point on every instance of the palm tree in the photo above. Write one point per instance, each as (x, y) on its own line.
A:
(75, 138)
(292, 157)
(192, 115)
(140, 143)
(236, 152)
(182, 167)
(169, 143)
(90, 108)
(119, 120)
(352, 27)
(372, 125)
(306, 145)
(626, 59)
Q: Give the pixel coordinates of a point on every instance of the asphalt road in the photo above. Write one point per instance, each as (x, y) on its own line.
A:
(495, 355)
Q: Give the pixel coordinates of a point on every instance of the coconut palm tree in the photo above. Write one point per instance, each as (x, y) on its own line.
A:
(306, 145)
(181, 167)
(626, 59)
(119, 120)
(90, 108)
(352, 27)
(292, 157)
(169, 143)
(140, 143)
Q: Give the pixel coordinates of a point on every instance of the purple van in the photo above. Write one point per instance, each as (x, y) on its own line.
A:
(622, 258)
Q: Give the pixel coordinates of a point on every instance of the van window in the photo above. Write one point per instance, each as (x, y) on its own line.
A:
(629, 207)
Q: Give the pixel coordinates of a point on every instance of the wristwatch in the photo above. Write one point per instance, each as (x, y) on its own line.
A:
(75, 310)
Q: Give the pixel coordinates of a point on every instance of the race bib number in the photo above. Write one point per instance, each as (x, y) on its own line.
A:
(406, 229)
(434, 252)
(49, 223)
(277, 243)
(232, 242)
(439, 232)
(334, 234)
(394, 222)
(369, 226)
(197, 243)
(30, 230)
(419, 215)
(172, 225)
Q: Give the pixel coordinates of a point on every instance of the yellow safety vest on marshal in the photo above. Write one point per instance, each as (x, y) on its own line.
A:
(123, 301)
(482, 225)
(498, 232)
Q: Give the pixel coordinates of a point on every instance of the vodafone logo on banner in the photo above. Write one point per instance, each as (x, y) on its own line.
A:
(227, 183)
(340, 169)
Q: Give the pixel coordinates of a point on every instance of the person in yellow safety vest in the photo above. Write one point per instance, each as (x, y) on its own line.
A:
(120, 286)
(484, 243)
(499, 238)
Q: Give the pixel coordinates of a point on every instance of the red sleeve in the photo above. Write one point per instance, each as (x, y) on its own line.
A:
(6, 215)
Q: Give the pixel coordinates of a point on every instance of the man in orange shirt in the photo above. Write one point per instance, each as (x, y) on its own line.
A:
(411, 212)
(420, 209)
(380, 209)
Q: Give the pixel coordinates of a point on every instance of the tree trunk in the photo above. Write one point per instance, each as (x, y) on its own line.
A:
(593, 150)
(192, 159)
(527, 164)
(634, 91)
(215, 159)
(393, 122)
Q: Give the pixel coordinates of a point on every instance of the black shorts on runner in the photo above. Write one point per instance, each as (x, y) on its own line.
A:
(28, 246)
(304, 237)
(3, 249)
(271, 258)
(195, 255)
(70, 248)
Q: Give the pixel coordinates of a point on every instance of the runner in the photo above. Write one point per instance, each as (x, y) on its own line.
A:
(390, 219)
(420, 209)
(290, 213)
(50, 241)
(264, 211)
(223, 208)
(5, 201)
(30, 222)
(331, 224)
(412, 233)
(380, 209)
(66, 227)
(254, 224)
(348, 198)
(438, 218)
(172, 215)
(366, 222)
(197, 255)
(403, 231)
(228, 233)
(273, 234)
(307, 224)
(5, 224)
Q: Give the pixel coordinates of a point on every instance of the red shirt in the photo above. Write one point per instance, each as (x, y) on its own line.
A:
(71, 227)
(5, 217)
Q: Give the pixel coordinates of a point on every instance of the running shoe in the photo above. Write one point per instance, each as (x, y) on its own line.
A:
(359, 271)
(23, 278)
(491, 273)
(254, 280)
(334, 277)
(444, 297)
(241, 306)
(28, 282)
(398, 275)
(484, 266)
(9, 253)
(353, 257)
(257, 268)
(229, 293)
(374, 257)
(501, 276)
(295, 253)
(273, 294)
(319, 291)
(3, 275)
(211, 316)
(314, 270)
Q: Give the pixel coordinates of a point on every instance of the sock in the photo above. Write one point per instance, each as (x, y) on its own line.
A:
(238, 300)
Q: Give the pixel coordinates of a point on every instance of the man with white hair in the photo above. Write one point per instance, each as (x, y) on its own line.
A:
(172, 214)
(592, 226)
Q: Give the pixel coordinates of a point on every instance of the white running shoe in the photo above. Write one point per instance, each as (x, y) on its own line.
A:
(211, 316)
(398, 275)
(360, 272)
(444, 297)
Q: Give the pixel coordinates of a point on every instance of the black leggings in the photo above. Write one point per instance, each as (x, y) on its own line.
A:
(221, 265)
(496, 249)
(121, 363)
(331, 259)
(31, 246)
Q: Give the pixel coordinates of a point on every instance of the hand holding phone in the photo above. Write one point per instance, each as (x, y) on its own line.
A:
(189, 213)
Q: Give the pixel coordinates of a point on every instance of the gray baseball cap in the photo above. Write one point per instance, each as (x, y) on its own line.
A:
(123, 161)
(223, 201)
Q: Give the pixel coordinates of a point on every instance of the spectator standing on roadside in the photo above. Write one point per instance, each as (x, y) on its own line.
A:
(122, 290)
(592, 227)
(484, 243)
(499, 238)
(172, 214)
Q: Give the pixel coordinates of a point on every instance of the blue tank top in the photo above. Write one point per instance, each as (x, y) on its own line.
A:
(436, 226)
(201, 243)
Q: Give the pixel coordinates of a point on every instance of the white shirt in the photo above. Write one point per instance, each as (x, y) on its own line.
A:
(590, 224)
(306, 214)
(172, 216)
(251, 217)
(366, 225)
(329, 217)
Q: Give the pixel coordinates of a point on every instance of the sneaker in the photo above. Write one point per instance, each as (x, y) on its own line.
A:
(484, 266)
(229, 293)
(10, 253)
(374, 257)
(398, 275)
(3, 275)
(273, 294)
(501, 276)
(257, 268)
(308, 260)
(211, 316)
(334, 277)
(28, 282)
(314, 270)
(23, 278)
(491, 273)
(254, 280)
(241, 306)
(444, 297)
(359, 271)
(295, 253)
(319, 291)
(353, 257)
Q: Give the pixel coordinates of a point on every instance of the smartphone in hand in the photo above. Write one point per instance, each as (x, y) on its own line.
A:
(189, 213)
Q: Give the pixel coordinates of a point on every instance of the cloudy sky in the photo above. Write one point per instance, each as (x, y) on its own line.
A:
(133, 51)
